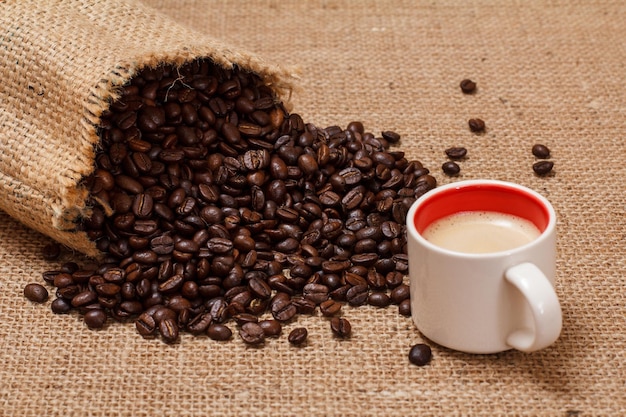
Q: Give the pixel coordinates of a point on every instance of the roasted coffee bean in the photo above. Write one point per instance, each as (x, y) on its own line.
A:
(282, 308)
(260, 288)
(60, 306)
(390, 136)
(243, 318)
(404, 308)
(543, 167)
(219, 332)
(378, 299)
(303, 305)
(84, 298)
(341, 327)
(162, 245)
(330, 308)
(468, 86)
(456, 153)
(316, 293)
(451, 168)
(143, 205)
(271, 328)
(357, 295)
(169, 330)
(146, 325)
(95, 319)
(36, 293)
(420, 354)
(476, 125)
(541, 151)
(400, 293)
(298, 336)
(252, 334)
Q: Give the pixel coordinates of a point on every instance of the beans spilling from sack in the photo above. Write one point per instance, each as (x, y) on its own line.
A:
(215, 207)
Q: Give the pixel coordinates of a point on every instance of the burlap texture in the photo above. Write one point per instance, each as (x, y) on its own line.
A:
(62, 64)
(548, 72)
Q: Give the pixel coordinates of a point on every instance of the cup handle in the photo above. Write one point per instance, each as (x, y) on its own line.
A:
(544, 305)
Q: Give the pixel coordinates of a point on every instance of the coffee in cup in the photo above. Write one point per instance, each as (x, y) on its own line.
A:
(481, 232)
(482, 260)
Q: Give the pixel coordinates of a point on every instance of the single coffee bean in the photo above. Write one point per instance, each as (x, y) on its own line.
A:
(390, 136)
(404, 308)
(468, 86)
(340, 327)
(476, 125)
(219, 332)
(36, 293)
(420, 354)
(282, 307)
(378, 299)
(252, 334)
(330, 308)
(95, 319)
(143, 205)
(400, 293)
(541, 151)
(60, 306)
(84, 298)
(357, 295)
(146, 325)
(271, 328)
(451, 168)
(543, 167)
(169, 330)
(298, 336)
(456, 153)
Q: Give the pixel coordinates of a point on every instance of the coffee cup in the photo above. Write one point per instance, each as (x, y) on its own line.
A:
(482, 260)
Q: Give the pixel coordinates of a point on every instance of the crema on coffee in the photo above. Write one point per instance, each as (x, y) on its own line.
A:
(481, 232)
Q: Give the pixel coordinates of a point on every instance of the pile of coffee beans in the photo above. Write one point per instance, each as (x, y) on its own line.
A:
(215, 207)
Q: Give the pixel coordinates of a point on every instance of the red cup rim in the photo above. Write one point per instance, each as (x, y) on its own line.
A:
(482, 195)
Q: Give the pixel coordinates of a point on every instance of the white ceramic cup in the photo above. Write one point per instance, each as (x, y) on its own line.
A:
(487, 302)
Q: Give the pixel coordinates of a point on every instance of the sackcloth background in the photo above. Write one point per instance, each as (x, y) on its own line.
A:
(551, 72)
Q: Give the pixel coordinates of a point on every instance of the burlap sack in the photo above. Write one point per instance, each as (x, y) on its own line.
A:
(61, 63)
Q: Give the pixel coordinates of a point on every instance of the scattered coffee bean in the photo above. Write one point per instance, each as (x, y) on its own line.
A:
(476, 125)
(541, 151)
(330, 308)
(340, 327)
(400, 293)
(252, 334)
(456, 153)
(420, 354)
(298, 336)
(391, 137)
(219, 332)
(543, 167)
(36, 293)
(378, 299)
(146, 325)
(60, 306)
(404, 308)
(271, 328)
(451, 168)
(169, 330)
(468, 86)
(95, 319)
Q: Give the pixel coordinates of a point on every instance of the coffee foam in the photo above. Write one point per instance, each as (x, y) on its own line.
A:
(481, 232)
